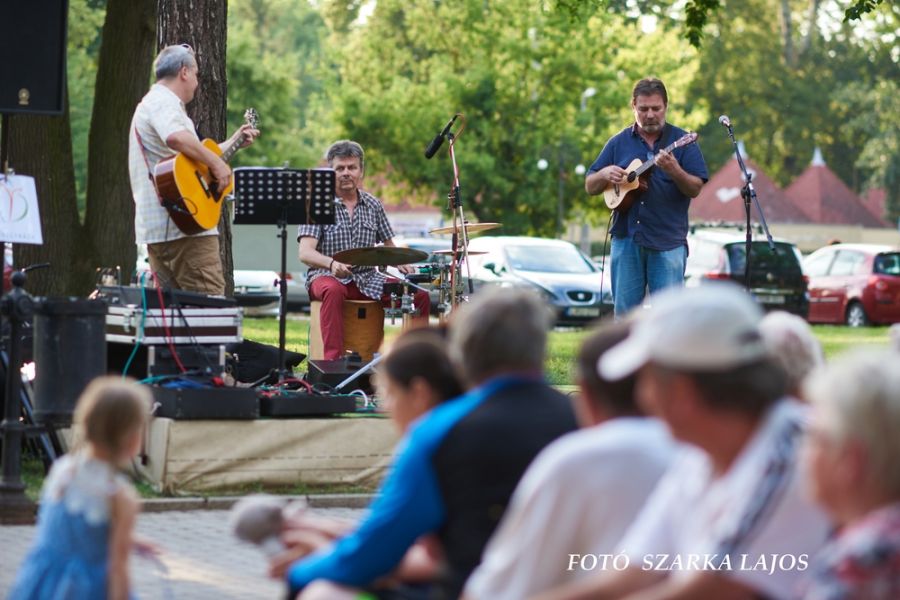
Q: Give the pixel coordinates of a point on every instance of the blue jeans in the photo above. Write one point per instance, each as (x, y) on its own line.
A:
(636, 269)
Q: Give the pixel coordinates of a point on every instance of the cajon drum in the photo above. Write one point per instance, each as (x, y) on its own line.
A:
(363, 328)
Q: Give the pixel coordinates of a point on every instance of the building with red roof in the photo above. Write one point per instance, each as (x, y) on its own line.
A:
(720, 199)
(822, 195)
(875, 200)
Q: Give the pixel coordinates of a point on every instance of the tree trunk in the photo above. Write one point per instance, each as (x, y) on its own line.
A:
(787, 33)
(203, 25)
(41, 146)
(813, 29)
(123, 77)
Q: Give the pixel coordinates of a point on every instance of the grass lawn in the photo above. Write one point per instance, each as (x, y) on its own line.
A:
(564, 343)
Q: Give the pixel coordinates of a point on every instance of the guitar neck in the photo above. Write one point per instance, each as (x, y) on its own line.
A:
(232, 149)
(652, 161)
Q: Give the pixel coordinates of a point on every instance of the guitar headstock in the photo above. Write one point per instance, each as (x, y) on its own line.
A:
(251, 117)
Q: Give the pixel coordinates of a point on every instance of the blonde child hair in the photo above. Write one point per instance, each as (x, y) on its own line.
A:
(110, 410)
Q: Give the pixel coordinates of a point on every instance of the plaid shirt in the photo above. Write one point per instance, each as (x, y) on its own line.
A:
(368, 227)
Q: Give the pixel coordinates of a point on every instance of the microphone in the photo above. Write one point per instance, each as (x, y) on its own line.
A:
(724, 120)
(435, 144)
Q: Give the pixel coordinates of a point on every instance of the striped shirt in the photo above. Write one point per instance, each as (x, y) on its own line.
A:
(368, 227)
(159, 114)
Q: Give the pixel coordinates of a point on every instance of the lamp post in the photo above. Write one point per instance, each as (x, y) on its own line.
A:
(543, 164)
(587, 93)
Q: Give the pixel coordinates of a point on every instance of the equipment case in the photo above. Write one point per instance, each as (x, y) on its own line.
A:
(185, 325)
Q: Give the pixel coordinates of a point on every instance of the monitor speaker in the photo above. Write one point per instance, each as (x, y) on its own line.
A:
(33, 56)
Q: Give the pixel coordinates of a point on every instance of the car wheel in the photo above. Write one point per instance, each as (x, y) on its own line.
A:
(856, 315)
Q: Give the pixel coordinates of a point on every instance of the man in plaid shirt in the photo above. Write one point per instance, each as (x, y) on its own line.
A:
(360, 222)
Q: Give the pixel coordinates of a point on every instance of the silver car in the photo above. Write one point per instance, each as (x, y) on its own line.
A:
(566, 278)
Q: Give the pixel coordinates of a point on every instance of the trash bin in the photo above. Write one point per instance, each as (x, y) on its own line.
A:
(69, 351)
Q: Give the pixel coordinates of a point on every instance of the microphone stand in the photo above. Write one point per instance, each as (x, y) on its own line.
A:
(748, 192)
(459, 223)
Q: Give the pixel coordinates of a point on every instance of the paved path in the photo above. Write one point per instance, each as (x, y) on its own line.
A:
(201, 556)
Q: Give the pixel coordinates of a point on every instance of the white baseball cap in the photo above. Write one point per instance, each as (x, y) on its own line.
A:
(711, 327)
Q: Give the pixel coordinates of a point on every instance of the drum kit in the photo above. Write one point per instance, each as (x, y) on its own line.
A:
(444, 274)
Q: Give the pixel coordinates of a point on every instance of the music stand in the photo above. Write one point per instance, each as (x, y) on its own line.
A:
(283, 197)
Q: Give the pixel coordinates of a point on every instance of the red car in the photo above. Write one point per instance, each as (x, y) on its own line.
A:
(856, 284)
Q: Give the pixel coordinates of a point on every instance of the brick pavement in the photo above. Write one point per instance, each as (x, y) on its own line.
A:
(202, 558)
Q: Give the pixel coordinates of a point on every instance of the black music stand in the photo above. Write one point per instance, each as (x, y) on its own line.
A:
(283, 197)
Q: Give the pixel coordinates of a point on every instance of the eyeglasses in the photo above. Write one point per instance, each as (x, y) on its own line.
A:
(188, 48)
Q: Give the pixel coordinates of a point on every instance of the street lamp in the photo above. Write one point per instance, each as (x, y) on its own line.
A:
(587, 93)
(543, 165)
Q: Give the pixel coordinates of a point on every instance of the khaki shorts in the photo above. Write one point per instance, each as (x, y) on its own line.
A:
(190, 263)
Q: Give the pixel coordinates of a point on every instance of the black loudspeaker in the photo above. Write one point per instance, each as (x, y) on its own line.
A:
(33, 56)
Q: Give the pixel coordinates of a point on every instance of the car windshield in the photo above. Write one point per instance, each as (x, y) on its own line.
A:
(548, 259)
(888, 264)
(782, 260)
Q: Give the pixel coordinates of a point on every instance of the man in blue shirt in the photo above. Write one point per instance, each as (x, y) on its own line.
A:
(457, 465)
(649, 242)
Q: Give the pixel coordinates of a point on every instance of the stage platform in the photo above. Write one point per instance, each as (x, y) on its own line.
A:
(197, 456)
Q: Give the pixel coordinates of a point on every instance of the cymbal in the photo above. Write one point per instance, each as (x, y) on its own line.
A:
(380, 256)
(470, 228)
(449, 252)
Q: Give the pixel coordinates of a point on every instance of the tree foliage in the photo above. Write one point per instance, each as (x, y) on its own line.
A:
(517, 71)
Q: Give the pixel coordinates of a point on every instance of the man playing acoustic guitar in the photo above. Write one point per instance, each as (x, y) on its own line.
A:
(161, 128)
(649, 241)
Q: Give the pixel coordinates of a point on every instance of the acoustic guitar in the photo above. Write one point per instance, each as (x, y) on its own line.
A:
(620, 196)
(187, 188)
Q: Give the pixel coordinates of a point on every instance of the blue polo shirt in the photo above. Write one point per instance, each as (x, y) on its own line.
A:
(658, 219)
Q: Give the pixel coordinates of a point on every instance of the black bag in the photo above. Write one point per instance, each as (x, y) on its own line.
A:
(249, 362)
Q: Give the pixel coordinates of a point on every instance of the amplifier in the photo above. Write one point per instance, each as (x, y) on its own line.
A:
(300, 404)
(205, 403)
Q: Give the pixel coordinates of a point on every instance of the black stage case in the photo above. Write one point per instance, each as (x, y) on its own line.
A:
(301, 404)
(206, 403)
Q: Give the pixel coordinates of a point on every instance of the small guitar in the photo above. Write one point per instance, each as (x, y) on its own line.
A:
(188, 190)
(620, 196)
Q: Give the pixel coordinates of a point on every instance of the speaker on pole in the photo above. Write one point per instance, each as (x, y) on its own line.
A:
(33, 56)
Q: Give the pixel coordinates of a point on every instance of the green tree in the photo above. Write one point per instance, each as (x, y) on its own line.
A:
(278, 63)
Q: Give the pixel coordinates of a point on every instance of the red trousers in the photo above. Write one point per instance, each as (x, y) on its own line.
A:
(332, 293)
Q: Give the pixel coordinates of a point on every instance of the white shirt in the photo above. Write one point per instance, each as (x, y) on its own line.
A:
(159, 114)
(577, 497)
(757, 509)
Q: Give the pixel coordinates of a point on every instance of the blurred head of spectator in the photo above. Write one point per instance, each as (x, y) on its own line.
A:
(703, 366)
(793, 346)
(416, 375)
(853, 447)
(600, 399)
(500, 331)
(851, 455)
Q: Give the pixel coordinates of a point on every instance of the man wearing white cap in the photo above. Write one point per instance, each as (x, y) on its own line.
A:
(730, 518)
